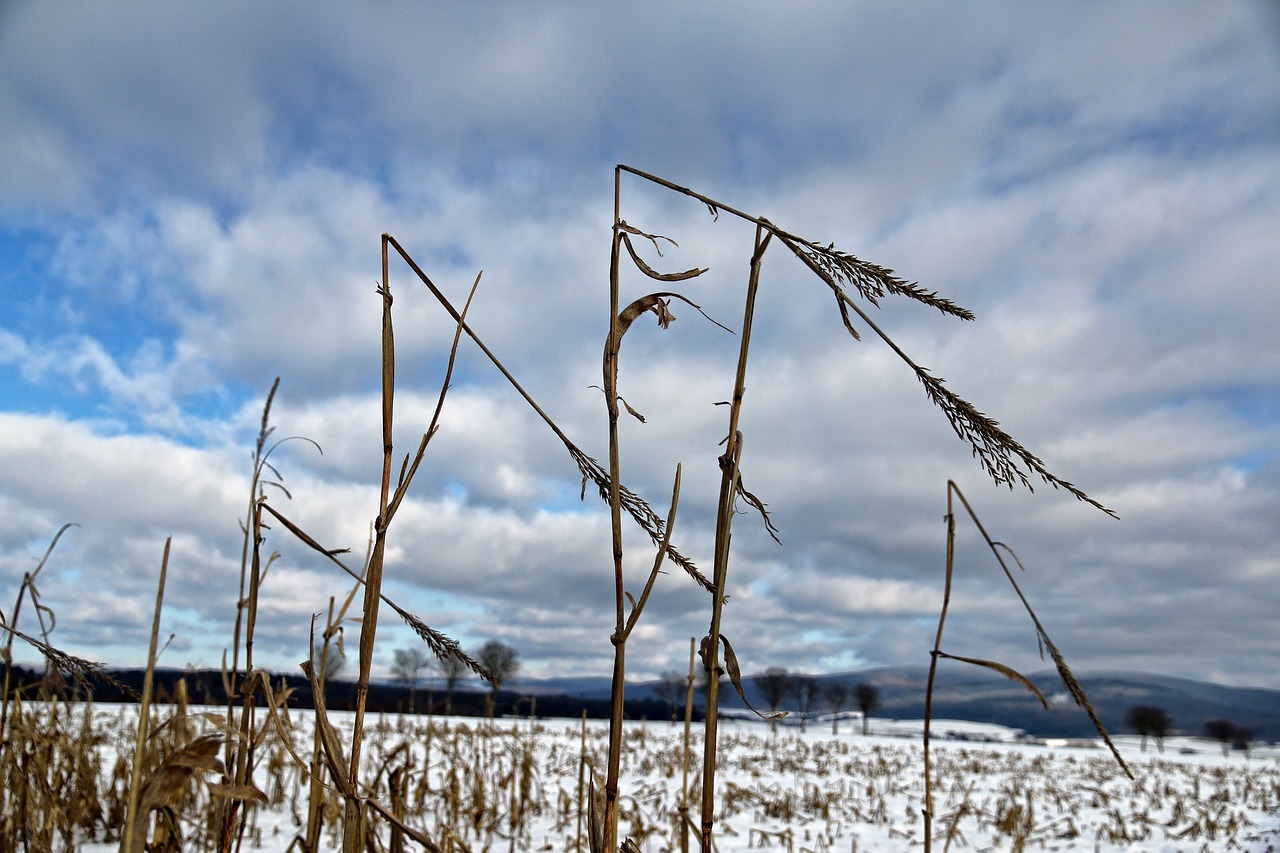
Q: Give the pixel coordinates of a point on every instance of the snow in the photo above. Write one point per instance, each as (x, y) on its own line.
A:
(796, 791)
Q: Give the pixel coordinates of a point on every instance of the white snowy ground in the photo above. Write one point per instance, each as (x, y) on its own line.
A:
(814, 791)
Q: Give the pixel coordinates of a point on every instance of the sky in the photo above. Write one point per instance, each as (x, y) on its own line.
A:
(192, 204)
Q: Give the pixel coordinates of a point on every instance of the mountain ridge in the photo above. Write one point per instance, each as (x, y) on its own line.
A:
(985, 697)
(960, 693)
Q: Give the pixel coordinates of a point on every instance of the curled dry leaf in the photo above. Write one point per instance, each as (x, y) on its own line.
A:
(239, 792)
(330, 742)
(759, 507)
(654, 274)
(631, 411)
(1007, 672)
(735, 676)
(651, 302)
(170, 779)
(659, 303)
(627, 228)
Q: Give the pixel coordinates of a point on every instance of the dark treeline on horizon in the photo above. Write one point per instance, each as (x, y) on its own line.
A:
(206, 687)
(975, 698)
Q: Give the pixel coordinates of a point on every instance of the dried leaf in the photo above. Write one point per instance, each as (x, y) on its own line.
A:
(303, 766)
(170, 778)
(1007, 672)
(652, 238)
(427, 844)
(595, 820)
(239, 792)
(704, 652)
(651, 302)
(760, 508)
(630, 410)
(735, 676)
(329, 740)
(654, 274)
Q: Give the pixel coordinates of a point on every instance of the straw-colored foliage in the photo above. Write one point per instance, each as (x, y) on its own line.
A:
(458, 786)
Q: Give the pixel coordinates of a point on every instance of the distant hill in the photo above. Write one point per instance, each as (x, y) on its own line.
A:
(983, 697)
(469, 699)
(959, 694)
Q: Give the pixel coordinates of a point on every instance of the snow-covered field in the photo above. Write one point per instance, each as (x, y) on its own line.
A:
(518, 786)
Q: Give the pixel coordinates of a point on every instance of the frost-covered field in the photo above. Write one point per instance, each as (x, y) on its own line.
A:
(520, 786)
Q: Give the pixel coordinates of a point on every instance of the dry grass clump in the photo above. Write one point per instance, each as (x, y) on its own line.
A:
(1016, 818)
(517, 787)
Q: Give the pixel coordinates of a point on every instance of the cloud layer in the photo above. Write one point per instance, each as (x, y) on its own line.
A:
(193, 205)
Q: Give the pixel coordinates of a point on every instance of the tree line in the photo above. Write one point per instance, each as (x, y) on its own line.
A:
(778, 685)
(411, 663)
(1151, 722)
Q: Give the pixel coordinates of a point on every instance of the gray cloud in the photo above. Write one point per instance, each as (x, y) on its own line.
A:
(209, 190)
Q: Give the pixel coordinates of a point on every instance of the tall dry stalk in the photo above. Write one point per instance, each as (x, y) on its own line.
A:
(622, 632)
(608, 483)
(620, 322)
(1042, 637)
(135, 819)
(730, 489)
(32, 790)
(353, 828)
(1004, 459)
(315, 800)
(355, 814)
(29, 590)
(238, 746)
(685, 820)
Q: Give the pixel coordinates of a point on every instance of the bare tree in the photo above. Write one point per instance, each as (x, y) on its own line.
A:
(670, 688)
(836, 695)
(1149, 721)
(328, 659)
(805, 689)
(775, 685)
(407, 668)
(867, 696)
(451, 669)
(1243, 739)
(502, 661)
(1223, 731)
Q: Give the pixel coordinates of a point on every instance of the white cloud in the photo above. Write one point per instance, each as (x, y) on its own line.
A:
(1099, 187)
